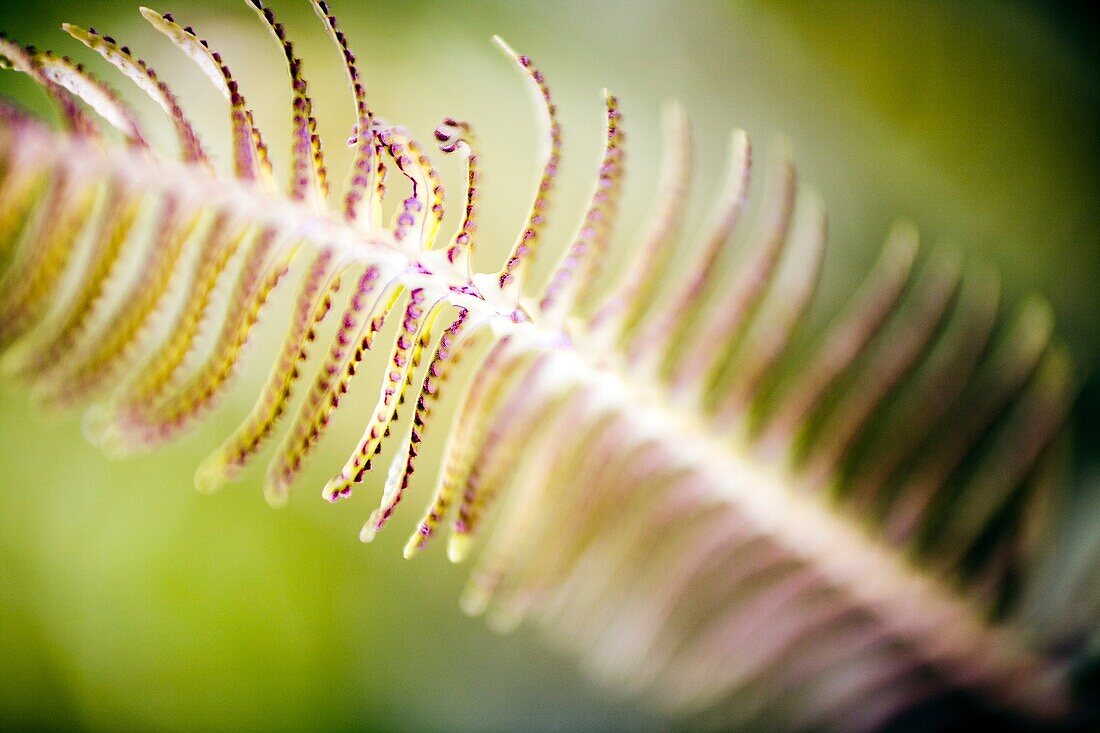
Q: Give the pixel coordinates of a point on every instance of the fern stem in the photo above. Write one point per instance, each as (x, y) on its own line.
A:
(943, 628)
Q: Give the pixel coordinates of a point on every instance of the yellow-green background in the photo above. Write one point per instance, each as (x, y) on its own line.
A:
(127, 600)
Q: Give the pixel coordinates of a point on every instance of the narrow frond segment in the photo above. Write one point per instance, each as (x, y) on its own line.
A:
(660, 341)
(308, 181)
(103, 359)
(477, 402)
(193, 395)
(910, 332)
(846, 339)
(81, 84)
(455, 339)
(126, 417)
(362, 320)
(250, 159)
(512, 274)
(771, 332)
(412, 337)
(713, 344)
(622, 309)
(571, 281)
(322, 281)
(27, 60)
(146, 79)
(454, 136)
(117, 219)
(26, 288)
(363, 170)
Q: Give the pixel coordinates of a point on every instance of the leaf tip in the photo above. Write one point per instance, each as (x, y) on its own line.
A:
(276, 495)
(210, 475)
(458, 547)
(370, 529)
(503, 45)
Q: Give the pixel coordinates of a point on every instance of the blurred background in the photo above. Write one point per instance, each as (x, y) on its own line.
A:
(129, 601)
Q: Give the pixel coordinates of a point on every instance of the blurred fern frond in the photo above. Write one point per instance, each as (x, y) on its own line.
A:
(710, 516)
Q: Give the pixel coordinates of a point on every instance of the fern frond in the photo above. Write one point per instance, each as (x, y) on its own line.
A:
(709, 514)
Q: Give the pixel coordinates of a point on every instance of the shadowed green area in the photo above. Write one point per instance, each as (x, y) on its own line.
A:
(129, 601)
